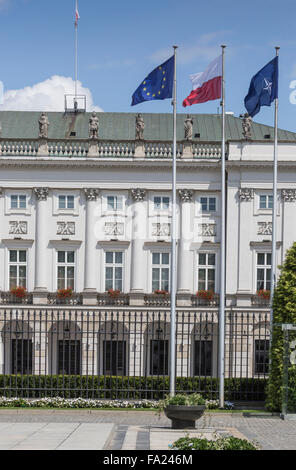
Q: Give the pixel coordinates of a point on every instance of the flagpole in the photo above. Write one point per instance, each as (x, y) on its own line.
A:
(274, 208)
(174, 240)
(222, 250)
(76, 53)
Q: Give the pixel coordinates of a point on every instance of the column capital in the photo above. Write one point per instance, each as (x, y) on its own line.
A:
(246, 194)
(289, 195)
(41, 194)
(185, 195)
(91, 194)
(138, 194)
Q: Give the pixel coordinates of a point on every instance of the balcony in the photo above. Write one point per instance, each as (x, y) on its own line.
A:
(7, 298)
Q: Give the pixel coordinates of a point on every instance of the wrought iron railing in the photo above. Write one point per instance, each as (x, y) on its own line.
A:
(123, 352)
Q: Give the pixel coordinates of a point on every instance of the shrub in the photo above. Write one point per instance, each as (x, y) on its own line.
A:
(284, 311)
(222, 443)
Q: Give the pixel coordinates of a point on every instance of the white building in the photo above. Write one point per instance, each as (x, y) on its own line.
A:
(95, 214)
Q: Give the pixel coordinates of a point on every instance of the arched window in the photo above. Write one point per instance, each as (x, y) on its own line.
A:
(18, 347)
(113, 349)
(64, 348)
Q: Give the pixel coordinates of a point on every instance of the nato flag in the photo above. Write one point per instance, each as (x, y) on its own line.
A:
(263, 88)
(158, 85)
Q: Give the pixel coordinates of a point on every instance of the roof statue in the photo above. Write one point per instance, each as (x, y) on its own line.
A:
(140, 126)
(94, 126)
(43, 126)
(246, 124)
(188, 126)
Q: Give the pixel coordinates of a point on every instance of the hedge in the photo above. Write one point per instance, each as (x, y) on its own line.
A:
(284, 311)
(154, 388)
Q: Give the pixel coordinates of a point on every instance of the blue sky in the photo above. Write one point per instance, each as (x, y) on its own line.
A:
(120, 42)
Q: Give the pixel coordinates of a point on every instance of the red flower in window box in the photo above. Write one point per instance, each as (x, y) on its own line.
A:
(65, 293)
(161, 292)
(205, 294)
(263, 294)
(113, 292)
(19, 292)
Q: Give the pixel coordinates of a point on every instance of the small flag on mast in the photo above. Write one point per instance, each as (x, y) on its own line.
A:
(77, 17)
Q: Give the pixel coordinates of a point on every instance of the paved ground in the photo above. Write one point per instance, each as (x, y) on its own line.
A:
(130, 430)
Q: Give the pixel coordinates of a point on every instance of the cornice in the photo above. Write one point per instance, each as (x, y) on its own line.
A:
(259, 164)
(69, 162)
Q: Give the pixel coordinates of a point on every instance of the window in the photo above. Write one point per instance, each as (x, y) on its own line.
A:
(66, 202)
(69, 357)
(17, 268)
(208, 204)
(203, 352)
(113, 270)
(114, 203)
(263, 271)
(206, 271)
(18, 201)
(261, 356)
(21, 356)
(159, 353)
(265, 201)
(161, 203)
(160, 271)
(66, 269)
(114, 357)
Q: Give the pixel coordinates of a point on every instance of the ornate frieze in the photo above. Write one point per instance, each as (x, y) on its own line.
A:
(264, 228)
(246, 194)
(18, 228)
(138, 194)
(41, 193)
(161, 230)
(91, 194)
(65, 228)
(185, 195)
(207, 230)
(114, 228)
(289, 195)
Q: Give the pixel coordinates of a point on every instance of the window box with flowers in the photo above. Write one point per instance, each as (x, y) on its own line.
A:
(205, 297)
(18, 294)
(262, 298)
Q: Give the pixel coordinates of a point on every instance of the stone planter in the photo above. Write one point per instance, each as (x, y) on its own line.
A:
(183, 416)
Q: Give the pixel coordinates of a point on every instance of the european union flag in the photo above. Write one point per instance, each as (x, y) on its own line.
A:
(263, 88)
(158, 85)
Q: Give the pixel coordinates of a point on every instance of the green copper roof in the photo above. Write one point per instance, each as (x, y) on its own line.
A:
(121, 126)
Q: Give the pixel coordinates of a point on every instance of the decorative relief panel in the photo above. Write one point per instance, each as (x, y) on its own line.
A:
(138, 194)
(207, 230)
(289, 195)
(65, 228)
(114, 228)
(41, 193)
(185, 195)
(18, 228)
(161, 230)
(264, 228)
(246, 194)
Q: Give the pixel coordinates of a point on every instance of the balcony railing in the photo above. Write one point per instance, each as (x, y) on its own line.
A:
(72, 147)
(198, 301)
(107, 299)
(157, 300)
(7, 298)
(55, 299)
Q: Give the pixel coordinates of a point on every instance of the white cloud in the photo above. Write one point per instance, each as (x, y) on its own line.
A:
(48, 95)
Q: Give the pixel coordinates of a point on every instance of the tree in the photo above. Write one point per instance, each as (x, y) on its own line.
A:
(284, 311)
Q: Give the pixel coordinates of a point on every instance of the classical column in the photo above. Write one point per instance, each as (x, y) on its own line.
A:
(244, 291)
(90, 260)
(185, 260)
(41, 251)
(138, 268)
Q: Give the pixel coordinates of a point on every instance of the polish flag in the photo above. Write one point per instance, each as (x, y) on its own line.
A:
(206, 85)
(77, 17)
